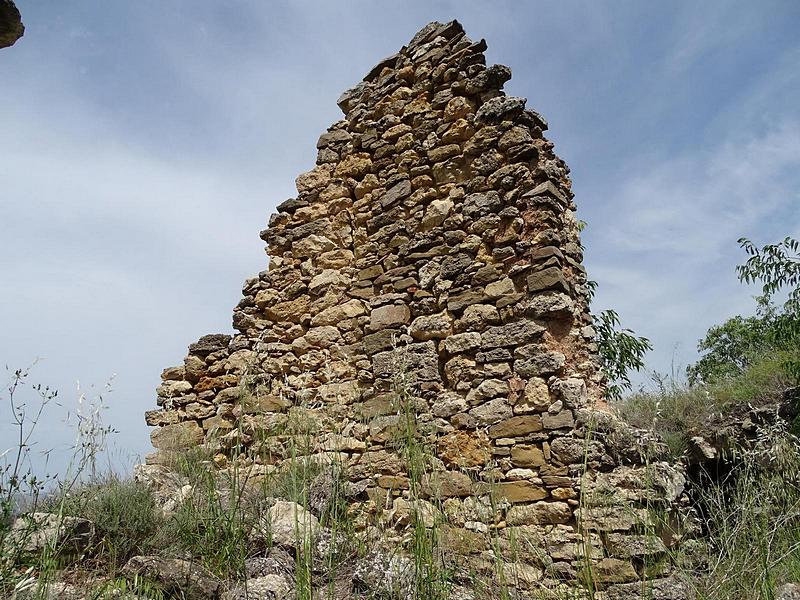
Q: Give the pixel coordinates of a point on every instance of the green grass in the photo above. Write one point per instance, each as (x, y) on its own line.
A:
(753, 522)
(123, 588)
(679, 411)
(213, 530)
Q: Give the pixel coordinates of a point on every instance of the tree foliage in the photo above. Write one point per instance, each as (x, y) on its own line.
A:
(621, 351)
(732, 347)
(777, 268)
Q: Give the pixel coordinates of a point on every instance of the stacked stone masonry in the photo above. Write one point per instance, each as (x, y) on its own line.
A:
(434, 247)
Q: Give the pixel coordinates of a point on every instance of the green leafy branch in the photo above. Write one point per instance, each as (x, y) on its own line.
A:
(777, 268)
(621, 351)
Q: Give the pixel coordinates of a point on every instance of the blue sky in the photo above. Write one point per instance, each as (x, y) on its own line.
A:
(144, 145)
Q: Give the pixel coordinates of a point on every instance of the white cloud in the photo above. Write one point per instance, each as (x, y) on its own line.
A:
(693, 206)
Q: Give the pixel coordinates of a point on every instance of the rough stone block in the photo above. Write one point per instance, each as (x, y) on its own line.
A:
(516, 426)
(520, 491)
(546, 363)
(419, 362)
(491, 412)
(511, 334)
(540, 513)
(527, 456)
(428, 327)
(391, 315)
(551, 278)
(177, 436)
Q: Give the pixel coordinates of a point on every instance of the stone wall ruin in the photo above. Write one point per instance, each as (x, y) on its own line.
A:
(432, 257)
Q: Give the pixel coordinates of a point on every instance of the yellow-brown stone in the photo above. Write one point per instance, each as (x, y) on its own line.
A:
(177, 436)
(354, 165)
(527, 456)
(516, 426)
(520, 491)
(461, 449)
(215, 383)
(393, 482)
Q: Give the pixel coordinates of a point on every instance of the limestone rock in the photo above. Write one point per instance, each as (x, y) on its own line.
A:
(536, 396)
(614, 570)
(419, 361)
(437, 212)
(33, 533)
(463, 342)
(388, 316)
(523, 455)
(788, 591)
(521, 491)
(461, 449)
(289, 524)
(33, 589)
(539, 513)
(512, 334)
(174, 575)
(428, 327)
(492, 412)
(177, 436)
(313, 179)
(210, 343)
(336, 314)
(516, 426)
(551, 278)
(670, 588)
(267, 587)
(387, 574)
(500, 107)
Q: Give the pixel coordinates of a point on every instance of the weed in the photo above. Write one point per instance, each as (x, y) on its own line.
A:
(753, 521)
(679, 411)
(137, 587)
(17, 479)
(431, 581)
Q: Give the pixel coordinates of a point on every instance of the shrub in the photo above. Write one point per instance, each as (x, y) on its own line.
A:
(679, 411)
(736, 344)
(123, 511)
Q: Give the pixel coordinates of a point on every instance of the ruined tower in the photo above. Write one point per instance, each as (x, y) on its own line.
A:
(429, 269)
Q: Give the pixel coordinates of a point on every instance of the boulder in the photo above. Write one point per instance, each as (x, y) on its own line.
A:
(382, 574)
(33, 533)
(290, 525)
(267, 587)
(182, 578)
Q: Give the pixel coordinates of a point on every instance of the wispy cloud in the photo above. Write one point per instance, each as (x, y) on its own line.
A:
(666, 254)
(693, 205)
